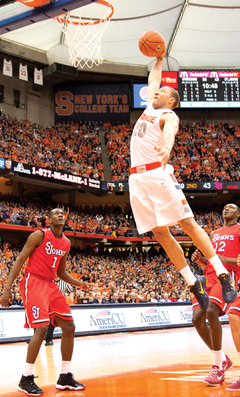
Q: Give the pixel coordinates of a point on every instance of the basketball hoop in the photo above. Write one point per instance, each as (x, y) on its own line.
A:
(83, 32)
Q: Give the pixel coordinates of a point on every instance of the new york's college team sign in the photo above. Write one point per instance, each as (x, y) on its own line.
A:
(92, 102)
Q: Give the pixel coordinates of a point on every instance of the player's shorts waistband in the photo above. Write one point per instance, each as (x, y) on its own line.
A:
(145, 167)
(40, 276)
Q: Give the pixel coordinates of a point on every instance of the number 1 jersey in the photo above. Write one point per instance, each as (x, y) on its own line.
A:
(45, 259)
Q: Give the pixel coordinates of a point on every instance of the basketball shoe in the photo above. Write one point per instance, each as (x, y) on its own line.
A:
(29, 387)
(198, 289)
(227, 364)
(234, 386)
(229, 292)
(216, 377)
(67, 382)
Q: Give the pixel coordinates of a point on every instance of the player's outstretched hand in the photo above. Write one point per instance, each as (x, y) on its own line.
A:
(6, 297)
(163, 155)
(84, 286)
(196, 256)
(164, 50)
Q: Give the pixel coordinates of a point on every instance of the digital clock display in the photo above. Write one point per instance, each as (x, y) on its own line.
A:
(209, 89)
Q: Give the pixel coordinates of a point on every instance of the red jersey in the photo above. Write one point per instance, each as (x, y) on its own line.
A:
(45, 259)
(226, 243)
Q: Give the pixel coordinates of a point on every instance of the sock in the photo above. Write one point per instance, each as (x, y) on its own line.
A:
(217, 358)
(187, 273)
(223, 356)
(217, 264)
(66, 366)
(29, 369)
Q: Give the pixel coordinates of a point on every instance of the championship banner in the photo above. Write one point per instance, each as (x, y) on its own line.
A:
(38, 76)
(92, 102)
(7, 68)
(23, 72)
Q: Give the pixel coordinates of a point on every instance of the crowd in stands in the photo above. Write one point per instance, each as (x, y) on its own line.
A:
(73, 148)
(202, 152)
(206, 153)
(106, 220)
(117, 139)
(114, 277)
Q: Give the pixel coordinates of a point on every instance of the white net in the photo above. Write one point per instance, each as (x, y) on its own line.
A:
(83, 30)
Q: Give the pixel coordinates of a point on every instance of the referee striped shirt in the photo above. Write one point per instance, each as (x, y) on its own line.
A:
(63, 286)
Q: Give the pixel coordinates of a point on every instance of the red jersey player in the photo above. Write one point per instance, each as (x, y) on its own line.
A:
(234, 321)
(47, 251)
(226, 242)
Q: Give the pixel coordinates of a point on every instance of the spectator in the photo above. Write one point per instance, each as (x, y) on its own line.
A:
(153, 297)
(148, 298)
(17, 301)
(182, 297)
(88, 297)
(98, 298)
(173, 297)
(121, 298)
(127, 298)
(114, 298)
(165, 297)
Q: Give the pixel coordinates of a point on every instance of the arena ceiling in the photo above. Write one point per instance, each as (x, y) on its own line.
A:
(199, 34)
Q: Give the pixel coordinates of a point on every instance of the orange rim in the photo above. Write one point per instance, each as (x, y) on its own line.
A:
(103, 2)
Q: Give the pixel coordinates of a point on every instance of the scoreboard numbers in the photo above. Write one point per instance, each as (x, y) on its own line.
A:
(209, 89)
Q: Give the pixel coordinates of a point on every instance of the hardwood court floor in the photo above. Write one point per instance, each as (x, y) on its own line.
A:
(162, 363)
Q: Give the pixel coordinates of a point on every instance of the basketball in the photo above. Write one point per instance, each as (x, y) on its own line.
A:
(33, 3)
(152, 44)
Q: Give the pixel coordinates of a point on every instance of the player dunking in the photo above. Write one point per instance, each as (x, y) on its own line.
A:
(156, 198)
(47, 251)
(226, 243)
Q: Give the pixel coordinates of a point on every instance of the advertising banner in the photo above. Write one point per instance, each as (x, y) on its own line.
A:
(97, 319)
(169, 79)
(92, 102)
(55, 176)
(64, 177)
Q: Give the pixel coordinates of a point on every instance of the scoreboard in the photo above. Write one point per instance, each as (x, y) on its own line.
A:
(185, 186)
(197, 89)
(209, 89)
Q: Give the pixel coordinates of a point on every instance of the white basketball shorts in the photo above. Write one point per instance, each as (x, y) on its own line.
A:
(157, 199)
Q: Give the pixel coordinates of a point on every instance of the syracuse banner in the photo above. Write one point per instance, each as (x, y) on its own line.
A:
(75, 101)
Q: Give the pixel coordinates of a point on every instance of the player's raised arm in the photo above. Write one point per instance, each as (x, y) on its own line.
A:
(155, 78)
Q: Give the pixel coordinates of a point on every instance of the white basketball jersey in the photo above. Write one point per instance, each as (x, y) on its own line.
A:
(146, 135)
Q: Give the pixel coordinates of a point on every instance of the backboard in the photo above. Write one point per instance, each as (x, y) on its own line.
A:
(15, 15)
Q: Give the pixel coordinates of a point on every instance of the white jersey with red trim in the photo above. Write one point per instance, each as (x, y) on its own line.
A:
(146, 135)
